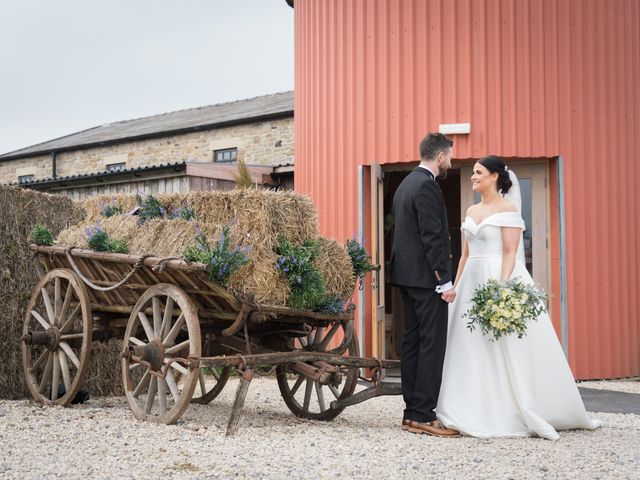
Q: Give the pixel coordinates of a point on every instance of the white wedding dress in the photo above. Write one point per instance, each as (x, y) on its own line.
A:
(511, 387)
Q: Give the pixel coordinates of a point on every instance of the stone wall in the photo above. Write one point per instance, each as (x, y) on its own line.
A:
(261, 143)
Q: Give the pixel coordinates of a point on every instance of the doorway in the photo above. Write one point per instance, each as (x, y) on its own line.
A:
(458, 197)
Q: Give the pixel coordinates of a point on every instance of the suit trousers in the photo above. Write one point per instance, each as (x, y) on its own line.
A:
(423, 349)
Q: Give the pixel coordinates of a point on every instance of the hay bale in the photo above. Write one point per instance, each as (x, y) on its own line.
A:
(334, 263)
(21, 209)
(257, 218)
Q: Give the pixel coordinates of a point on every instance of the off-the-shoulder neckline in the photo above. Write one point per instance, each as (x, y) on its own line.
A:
(488, 217)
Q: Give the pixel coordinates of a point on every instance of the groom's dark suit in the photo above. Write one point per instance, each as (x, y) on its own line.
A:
(421, 262)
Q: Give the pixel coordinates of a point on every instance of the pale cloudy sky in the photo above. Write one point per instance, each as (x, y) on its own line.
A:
(68, 65)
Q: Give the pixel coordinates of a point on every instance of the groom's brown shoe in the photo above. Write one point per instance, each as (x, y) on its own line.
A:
(434, 428)
(405, 423)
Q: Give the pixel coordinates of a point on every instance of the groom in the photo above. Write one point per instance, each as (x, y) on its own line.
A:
(421, 267)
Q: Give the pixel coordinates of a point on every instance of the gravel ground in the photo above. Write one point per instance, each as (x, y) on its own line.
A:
(627, 385)
(101, 439)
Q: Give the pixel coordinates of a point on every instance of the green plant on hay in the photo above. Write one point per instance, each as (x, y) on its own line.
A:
(359, 260)
(149, 208)
(100, 241)
(40, 235)
(330, 304)
(111, 209)
(117, 246)
(221, 260)
(186, 213)
(295, 262)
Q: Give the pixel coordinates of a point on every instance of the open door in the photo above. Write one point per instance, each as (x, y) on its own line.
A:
(377, 257)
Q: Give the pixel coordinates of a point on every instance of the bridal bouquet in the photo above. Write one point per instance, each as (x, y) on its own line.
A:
(504, 308)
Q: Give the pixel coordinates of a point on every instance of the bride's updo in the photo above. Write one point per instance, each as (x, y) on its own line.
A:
(496, 165)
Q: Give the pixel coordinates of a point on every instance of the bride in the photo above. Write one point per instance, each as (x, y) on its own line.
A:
(511, 387)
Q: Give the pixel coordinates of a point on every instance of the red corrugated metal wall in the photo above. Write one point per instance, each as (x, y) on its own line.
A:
(535, 78)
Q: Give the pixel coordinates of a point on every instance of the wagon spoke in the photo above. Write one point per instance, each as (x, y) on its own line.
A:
(57, 299)
(162, 395)
(151, 395)
(68, 296)
(134, 365)
(136, 341)
(44, 355)
(303, 341)
(318, 336)
(214, 372)
(325, 341)
(203, 387)
(40, 320)
(70, 319)
(146, 325)
(72, 356)
(55, 378)
(173, 333)
(64, 366)
(46, 374)
(177, 348)
(179, 368)
(296, 385)
(320, 394)
(47, 303)
(157, 317)
(142, 384)
(166, 320)
(335, 391)
(173, 386)
(71, 336)
(307, 394)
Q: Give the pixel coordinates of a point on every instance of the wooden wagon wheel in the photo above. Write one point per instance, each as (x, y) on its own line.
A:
(307, 398)
(163, 332)
(56, 337)
(210, 386)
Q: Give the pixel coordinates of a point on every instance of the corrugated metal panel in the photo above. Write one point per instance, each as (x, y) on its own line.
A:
(538, 78)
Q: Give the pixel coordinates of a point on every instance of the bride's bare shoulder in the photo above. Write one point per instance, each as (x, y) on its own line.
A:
(506, 206)
(472, 208)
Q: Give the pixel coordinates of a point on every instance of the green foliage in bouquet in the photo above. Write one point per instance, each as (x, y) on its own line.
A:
(504, 308)
(221, 260)
(40, 235)
(149, 208)
(360, 260)
(296, 263)
(100, 241)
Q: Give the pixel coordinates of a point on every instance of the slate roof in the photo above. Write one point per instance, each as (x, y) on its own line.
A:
(265, 107)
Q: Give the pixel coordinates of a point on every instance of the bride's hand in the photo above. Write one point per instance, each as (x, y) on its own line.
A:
(449, 296)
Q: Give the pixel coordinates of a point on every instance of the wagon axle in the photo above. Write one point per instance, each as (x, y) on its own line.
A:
(49, 338)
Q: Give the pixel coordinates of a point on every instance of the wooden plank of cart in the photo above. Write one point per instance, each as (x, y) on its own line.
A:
(183, 334)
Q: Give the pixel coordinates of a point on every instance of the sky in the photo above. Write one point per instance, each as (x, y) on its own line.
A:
(69, 65)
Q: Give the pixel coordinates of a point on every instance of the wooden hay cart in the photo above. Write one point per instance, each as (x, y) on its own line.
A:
(182, 337)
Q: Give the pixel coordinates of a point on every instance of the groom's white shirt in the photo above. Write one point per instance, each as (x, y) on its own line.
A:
(446, 286)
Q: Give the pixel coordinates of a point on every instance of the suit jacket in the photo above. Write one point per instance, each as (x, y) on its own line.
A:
(421, 253)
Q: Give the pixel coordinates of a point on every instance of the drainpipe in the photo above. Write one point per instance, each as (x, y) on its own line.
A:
(53, 164)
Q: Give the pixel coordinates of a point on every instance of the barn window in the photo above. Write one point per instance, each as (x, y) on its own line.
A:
(26, 178)
(225, 155)
(116, 167)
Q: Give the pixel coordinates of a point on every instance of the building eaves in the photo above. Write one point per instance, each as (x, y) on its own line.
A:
(266, 107)
(105, 175)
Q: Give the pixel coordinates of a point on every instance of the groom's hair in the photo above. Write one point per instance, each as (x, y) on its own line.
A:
(433, 144)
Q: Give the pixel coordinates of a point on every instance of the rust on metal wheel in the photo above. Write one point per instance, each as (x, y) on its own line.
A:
(308, 398)
(162, 347)
(56, 337)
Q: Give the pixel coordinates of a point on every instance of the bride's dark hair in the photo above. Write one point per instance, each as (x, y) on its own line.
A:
(496, 165)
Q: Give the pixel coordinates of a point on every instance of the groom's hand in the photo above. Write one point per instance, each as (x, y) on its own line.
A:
(449, 296)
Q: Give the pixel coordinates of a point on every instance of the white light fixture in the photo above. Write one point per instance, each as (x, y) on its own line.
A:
(454, 128)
